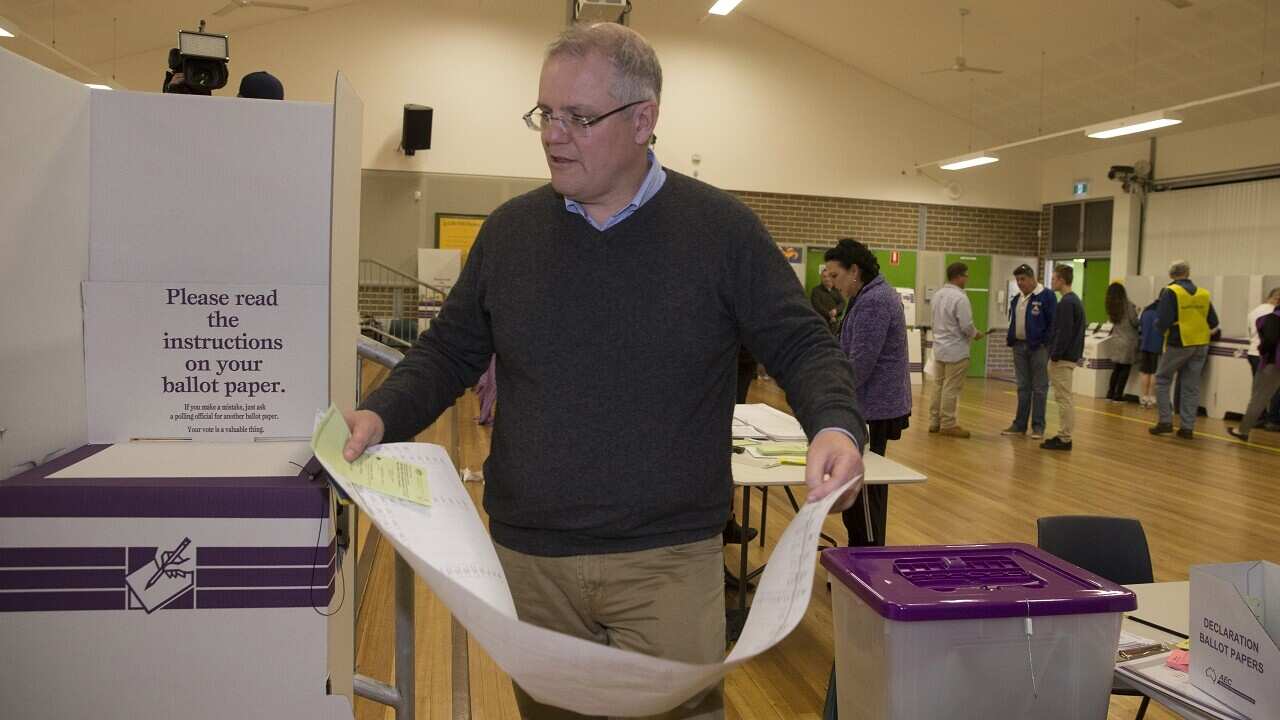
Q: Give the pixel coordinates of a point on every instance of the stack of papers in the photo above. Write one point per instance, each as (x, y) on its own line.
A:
(1154, 672)
(759, 420)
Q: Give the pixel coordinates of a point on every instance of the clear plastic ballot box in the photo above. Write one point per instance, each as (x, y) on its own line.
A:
(971, 631)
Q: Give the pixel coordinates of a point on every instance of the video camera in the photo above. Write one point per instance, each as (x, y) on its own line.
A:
(198, 66)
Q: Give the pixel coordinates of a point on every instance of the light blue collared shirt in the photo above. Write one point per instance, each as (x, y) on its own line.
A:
(653, 181)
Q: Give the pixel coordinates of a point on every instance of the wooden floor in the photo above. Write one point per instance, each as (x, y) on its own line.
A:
(1213, 499)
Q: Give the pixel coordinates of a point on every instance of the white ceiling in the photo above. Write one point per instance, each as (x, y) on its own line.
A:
(1088, 48)
(1098, 64)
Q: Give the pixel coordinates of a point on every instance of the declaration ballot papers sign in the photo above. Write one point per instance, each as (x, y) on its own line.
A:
(446, 544)
(204, 362)
(387, 475)
(1235, 635)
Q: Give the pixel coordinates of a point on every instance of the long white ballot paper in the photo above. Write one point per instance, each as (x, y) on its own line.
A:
(447, 545)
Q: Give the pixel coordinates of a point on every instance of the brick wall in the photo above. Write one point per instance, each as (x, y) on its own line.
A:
(816, 220)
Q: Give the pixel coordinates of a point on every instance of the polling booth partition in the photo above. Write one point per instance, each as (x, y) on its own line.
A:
(179, 303)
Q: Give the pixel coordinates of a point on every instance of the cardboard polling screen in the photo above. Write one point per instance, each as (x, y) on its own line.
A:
(207, 306)
(1235, 634)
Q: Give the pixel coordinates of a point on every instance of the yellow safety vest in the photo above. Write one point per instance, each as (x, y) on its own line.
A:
(1193, 315)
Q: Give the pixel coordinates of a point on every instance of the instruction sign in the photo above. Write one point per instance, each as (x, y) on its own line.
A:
(204, 362)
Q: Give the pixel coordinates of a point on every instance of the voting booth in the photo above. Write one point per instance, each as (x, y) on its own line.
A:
(179, 303)
(1093, 376)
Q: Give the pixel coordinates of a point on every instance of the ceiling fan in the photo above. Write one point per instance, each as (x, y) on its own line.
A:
(961, 65)
(238, 4)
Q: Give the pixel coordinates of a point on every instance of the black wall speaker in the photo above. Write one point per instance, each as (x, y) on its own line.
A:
(416, 134)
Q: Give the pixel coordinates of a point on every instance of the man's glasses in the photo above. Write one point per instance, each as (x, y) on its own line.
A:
(539, 120)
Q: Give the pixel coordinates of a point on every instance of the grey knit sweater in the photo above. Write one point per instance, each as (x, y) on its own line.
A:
(616, 365)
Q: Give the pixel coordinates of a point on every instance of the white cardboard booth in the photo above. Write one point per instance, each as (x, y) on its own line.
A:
(177, 300)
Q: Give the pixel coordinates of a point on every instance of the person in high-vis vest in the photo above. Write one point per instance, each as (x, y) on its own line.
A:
(1187, 320)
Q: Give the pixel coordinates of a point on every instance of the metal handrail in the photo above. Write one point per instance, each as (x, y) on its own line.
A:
(402, 697)
(404, 279)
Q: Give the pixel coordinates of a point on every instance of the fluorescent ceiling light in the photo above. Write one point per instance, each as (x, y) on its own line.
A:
(723, 7)
(99, 86)
(5, 33)
(968, 161)
(1131, 125)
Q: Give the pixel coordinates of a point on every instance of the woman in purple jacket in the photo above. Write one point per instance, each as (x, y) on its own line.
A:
(873, 336)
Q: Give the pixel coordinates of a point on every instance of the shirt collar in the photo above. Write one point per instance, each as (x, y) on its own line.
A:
(1038, 289)
(648, 188)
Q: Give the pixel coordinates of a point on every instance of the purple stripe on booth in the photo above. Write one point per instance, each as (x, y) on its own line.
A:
(223, 556)
(263, 577)
(34, 494)
(60, 579)
(291, 597)
(62, 557)
(62, 601)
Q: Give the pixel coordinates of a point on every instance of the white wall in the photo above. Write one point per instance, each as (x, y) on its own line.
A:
(44, 255)
(1059, 173)
(764, 111)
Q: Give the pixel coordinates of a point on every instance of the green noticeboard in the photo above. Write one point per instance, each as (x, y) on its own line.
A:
(900, 275)
(979, 291)
(898, 267)
(813, 267)
(1097, 276)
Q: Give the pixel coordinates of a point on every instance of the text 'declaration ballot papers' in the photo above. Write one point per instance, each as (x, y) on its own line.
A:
(447, 545)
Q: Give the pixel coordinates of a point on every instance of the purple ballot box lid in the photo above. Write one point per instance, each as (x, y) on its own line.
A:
(967, 582)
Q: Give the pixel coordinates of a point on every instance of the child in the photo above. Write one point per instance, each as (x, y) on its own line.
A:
(1150, 345)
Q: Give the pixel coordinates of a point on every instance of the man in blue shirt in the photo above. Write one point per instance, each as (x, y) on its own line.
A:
(1030, 321)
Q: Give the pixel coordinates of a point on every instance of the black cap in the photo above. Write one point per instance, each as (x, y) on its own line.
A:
(261, 85)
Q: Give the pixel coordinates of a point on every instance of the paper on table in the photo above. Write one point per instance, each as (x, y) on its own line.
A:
(383, 474)
(447, 546)
(774, 423)
(1153, 670)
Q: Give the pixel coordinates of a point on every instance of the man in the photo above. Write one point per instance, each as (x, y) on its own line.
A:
(608, 481)
(1065, 350)
(1266, 382)
(1187, 320)
(826, 300)
(1271, 418)
(1030, 323)
(953, 331)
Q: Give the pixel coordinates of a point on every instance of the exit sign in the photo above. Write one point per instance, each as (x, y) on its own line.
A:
(1080, 188)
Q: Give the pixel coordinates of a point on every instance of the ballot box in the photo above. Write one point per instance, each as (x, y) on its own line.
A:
(167, 580)
(971, 631)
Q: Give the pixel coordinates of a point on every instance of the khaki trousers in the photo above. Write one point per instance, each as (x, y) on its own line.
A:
(1060, 372)
(950, 381)
(667, 602)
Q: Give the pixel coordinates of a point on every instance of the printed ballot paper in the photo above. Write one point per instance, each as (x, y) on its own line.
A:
(385, 474)
(446, 544)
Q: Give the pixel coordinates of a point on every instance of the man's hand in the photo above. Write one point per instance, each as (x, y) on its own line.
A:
(366, 429)
(978, 335)
(832, 461)
(832, 313)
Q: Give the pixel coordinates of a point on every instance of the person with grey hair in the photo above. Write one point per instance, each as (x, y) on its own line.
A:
(1187, 321)
(608, 482)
